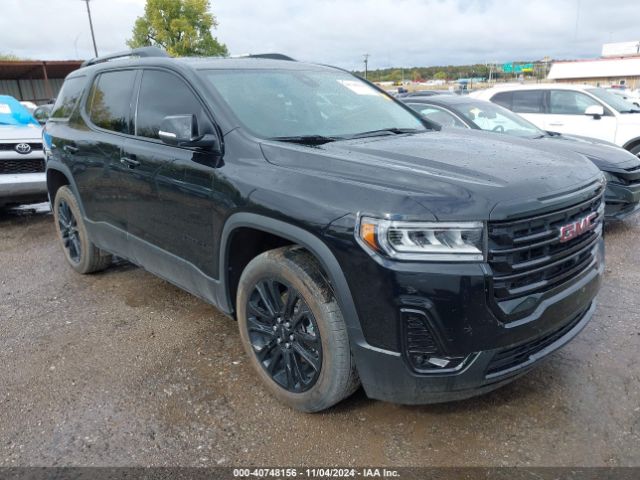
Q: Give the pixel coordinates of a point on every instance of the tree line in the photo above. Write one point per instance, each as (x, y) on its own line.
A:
(443, 72)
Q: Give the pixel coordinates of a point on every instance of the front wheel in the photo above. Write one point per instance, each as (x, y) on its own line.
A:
(80, 252)
(293, 331)
(636, 150)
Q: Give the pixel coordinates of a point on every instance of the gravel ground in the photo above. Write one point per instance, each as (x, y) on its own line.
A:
(121, 368)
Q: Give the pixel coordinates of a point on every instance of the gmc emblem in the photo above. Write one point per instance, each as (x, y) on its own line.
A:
(577, 228)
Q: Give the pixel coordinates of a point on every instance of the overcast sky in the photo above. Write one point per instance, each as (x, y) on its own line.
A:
(394, 32)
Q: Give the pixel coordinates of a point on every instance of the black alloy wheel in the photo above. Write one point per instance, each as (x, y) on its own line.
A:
(284, 335)
(69, 231)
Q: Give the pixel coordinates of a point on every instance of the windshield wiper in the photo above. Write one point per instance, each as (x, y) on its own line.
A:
(385, 131)
(631, 110)
(307, 139)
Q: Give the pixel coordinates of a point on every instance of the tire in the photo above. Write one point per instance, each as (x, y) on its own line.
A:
(636, 150)
(314, 313)
(80, 252)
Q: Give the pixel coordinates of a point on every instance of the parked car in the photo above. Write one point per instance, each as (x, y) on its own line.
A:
(572, 109)
(621, 167)
(421, 93)
(22, 177)
(354, 241)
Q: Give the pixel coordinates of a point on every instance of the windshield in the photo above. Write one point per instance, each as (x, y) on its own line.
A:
(13, 113)
(296, 103)
(614, 101)
(488, 116)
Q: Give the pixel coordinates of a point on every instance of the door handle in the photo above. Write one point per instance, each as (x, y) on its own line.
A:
(129, 162)
(556, 124)
(71, 149)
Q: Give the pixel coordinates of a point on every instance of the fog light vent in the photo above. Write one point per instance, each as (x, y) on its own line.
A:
(420, 344)
(421, 347)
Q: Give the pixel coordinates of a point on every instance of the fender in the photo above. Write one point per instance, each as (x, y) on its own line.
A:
(301, 237)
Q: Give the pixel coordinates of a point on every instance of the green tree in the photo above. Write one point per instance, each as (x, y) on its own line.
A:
(8, 56)
(440, 75)
(181, 27)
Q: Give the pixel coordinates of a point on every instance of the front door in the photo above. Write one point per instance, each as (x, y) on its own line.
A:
(566, 115)
(173, 215)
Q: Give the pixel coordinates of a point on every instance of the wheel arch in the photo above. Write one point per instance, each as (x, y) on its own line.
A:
(58, 175)
(632, 143)
(293, 235)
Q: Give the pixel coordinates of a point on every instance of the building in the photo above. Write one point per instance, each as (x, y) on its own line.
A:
(619, 65)
(37, 81)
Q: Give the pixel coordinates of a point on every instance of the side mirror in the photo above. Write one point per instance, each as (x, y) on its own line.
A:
(595, 111)
(182, 131)
(42, 114)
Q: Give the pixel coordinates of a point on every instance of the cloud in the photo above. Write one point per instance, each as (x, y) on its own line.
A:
(394, 32)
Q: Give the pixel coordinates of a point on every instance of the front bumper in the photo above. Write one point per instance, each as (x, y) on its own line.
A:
(621, 200)
(496, 352)
(23, 188)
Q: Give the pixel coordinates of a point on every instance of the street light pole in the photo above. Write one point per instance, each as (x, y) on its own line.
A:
(366, 64)
(93, 36)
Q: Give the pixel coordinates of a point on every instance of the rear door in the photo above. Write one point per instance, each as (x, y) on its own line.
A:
(172, 216)
(102, 179)
(530, 104)
(566, 115)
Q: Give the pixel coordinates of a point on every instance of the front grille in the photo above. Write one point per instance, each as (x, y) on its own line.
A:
(518, 356)
(527, 257)
(5, 147)
(28, 165)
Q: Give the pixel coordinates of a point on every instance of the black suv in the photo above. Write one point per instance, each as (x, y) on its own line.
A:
(354, 242)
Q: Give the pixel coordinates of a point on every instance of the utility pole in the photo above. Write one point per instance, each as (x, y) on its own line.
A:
(93, 36)
(366, 64)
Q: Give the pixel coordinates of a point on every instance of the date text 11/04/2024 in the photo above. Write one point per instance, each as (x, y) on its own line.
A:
(316, 472)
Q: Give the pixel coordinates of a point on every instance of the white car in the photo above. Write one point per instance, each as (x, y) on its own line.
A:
(573, 109)
(22, 165)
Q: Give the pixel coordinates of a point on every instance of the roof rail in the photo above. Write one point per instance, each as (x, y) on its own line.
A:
(136, 52)
(270, 56)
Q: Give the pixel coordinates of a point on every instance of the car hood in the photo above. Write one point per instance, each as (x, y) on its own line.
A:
(607, 156)
(453, 173)
(10, 133)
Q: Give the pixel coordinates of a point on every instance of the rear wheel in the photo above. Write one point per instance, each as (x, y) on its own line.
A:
(293, 331)
(81, 253)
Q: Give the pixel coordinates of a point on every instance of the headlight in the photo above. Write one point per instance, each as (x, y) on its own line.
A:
(422, 241)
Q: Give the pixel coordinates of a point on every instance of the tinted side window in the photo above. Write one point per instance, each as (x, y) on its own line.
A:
(68, 97)
(566, 102)
(437, 115)
(503, 99)
(163, 94)
(528, 101)
(110, 99)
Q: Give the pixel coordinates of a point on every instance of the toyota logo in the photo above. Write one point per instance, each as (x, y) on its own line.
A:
(23, 148)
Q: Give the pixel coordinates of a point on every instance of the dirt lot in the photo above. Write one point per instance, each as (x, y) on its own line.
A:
(122, 368)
